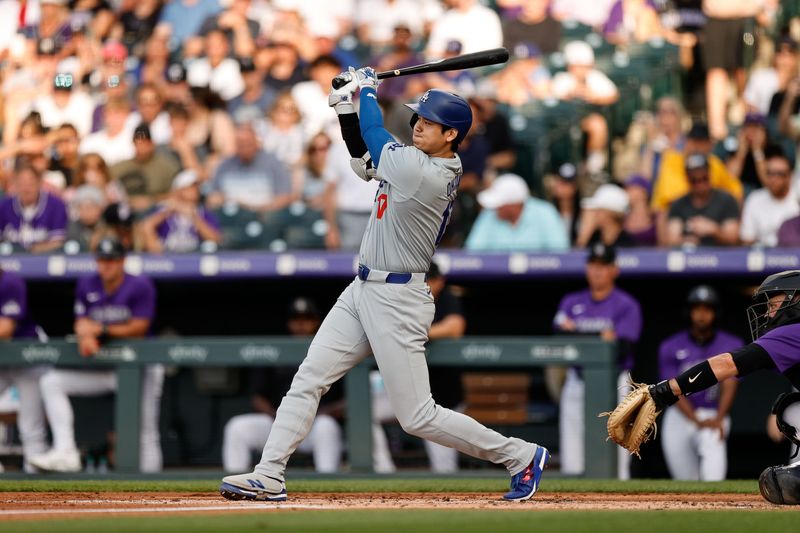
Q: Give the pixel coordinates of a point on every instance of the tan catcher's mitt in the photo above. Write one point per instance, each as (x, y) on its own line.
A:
(633, 422)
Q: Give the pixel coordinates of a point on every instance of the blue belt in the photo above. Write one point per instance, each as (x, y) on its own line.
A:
(392, 277)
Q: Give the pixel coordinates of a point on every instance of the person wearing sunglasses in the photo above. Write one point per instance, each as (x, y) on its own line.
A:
(706, 216)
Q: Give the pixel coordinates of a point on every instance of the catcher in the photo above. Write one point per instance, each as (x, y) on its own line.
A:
(775, 327)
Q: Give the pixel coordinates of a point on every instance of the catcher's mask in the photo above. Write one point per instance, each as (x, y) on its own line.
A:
(768, 312)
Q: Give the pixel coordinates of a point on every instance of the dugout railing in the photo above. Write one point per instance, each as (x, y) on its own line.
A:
(596, 358)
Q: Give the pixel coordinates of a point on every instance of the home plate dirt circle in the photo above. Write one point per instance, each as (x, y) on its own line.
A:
(43, 505)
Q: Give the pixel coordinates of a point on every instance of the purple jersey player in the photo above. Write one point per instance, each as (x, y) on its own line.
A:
(696, 427)
(110, 304)
(605, 311)
(775, 328)
(15, 322)
(32, 219)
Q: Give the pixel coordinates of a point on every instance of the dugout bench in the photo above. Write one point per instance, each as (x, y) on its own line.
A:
(597, 358)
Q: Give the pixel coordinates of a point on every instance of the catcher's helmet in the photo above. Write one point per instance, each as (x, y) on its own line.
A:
(444, 108)
(761, 317)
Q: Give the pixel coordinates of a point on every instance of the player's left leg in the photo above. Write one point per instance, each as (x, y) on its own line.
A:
(678, 435)
(623, 457)
(31, 419)
(570, 424)
(396, 319)
(339, 345)
(712, 448)
(150, 458)
(382, 461)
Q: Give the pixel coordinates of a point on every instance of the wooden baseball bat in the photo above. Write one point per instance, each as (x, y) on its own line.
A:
(473, 60)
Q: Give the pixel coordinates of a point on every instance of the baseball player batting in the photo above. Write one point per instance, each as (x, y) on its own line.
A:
(387, 309)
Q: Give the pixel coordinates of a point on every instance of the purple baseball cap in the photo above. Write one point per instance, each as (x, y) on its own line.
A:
(637, 180)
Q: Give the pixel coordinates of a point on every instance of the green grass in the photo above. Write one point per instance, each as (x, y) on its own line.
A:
(388, 484)
(527, 518)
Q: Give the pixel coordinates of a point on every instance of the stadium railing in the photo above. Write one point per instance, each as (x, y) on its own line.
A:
(595, 357)
(460, 264)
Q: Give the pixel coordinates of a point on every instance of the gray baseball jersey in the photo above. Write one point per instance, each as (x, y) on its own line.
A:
(411, 210)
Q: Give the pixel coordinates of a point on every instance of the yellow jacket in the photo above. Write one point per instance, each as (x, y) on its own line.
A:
(672, 182)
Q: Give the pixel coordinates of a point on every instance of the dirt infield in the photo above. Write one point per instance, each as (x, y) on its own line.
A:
(44, 505)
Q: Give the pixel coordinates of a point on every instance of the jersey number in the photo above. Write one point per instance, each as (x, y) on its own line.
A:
(383, 203)
(445, 219)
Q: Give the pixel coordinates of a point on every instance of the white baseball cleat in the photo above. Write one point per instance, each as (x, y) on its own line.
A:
(58, 461)
(253, 486)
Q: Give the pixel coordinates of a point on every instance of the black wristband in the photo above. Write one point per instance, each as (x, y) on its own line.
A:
(699, 377)
(662, 394)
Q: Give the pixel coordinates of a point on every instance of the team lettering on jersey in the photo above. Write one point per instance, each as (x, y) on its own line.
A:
(452, 187)
(394, 146)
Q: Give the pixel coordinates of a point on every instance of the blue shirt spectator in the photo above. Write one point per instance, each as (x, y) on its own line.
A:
(185, 17)
(514, 221)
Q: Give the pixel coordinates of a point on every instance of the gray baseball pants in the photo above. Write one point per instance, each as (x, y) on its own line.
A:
(391, 321)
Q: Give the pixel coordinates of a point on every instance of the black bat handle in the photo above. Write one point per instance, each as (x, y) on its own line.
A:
(341, 80)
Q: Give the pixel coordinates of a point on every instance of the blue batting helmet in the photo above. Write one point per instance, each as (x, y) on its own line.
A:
(444, 108)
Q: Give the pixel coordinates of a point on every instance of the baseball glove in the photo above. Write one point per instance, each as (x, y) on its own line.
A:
(633, 422)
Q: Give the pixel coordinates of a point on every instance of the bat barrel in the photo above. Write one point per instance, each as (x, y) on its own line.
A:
(473, 60)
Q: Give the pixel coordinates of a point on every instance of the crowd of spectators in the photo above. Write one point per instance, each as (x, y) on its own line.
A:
(186, 125)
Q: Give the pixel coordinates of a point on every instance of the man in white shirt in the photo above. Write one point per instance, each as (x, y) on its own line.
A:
(66, 106)
(114, 142)
(589, 12)
(765, 82)
(377, 19)
(216, 70)
(582, 81)
(767, 208)
(312, 98)
(348, 201)
(476, 26)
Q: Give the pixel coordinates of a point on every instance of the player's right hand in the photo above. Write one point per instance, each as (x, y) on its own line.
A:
(341, 99)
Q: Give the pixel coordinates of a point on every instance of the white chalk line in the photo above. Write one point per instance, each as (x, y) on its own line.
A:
(250, 508)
